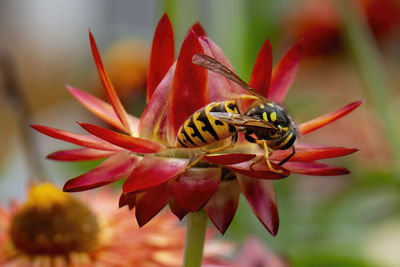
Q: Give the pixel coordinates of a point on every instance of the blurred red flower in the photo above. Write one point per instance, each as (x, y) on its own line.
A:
(55, 229)
(176, 89)
(318, 22)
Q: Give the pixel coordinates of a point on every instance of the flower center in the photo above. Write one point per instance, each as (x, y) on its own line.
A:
(53, 222)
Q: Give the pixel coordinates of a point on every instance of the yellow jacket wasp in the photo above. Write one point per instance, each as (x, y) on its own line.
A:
(265, 122)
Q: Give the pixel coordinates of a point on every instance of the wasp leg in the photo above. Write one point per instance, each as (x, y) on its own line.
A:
(266, 155)
(252, 97)
(288, 157)
(211, 151)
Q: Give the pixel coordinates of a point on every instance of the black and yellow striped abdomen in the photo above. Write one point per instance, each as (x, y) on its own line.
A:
(203, 129)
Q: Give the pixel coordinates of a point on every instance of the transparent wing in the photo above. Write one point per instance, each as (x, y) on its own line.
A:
(216, 66)
(242, 120)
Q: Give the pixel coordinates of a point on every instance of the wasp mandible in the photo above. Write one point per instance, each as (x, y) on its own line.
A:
(264, 123)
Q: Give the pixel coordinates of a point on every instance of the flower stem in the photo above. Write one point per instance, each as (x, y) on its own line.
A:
(195, 235)
(369, 61)
(23, 116)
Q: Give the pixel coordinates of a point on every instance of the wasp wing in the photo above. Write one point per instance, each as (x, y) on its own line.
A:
(216, 66)
(242, 120)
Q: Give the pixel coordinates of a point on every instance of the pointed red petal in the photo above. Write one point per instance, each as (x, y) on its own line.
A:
(80, 154)
(179, 211)
(189, 89)
(89, 141)
(162, 54)
(127, 199)
(323, 120)
(131, 143)
(315, 168)
(283, 74)
(259, 170)
(311, 153)
(156, 107)
(111, 170)
(101, 109)
(228, 159)
(222, 206)
(149, 203)
(195, 187)
(109, 88)
(260, 195)
(260, 78)
(152, 171)
(220, 88)
(198, 30)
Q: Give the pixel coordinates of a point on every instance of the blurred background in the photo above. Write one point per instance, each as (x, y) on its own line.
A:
(351, 220)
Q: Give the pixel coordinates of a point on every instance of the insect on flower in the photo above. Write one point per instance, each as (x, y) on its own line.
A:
(150, 152)
(264, 123)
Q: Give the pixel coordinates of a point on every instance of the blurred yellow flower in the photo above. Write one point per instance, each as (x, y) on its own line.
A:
(53, 228)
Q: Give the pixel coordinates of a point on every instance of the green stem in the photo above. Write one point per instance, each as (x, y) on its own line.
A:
(371, 66)
(195, 235)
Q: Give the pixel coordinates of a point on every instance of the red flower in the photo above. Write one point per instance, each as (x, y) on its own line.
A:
(176, 89)
(319, 23)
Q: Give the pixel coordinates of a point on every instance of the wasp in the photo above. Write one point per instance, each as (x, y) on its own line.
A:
(264, 123)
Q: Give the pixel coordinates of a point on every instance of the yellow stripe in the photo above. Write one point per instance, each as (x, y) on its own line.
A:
(262, 106)
(270, 104)
(199, 124)
(227, 103)
(273, 116)
(221, 130)
(265, 116)
(286, 140)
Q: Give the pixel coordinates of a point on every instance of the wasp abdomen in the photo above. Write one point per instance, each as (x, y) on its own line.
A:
(203, 129)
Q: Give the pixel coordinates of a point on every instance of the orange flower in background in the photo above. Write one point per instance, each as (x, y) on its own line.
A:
(128, 59)
(176, 90)
(55, 229)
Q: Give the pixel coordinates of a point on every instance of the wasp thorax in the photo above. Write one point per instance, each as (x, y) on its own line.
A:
(283, 133)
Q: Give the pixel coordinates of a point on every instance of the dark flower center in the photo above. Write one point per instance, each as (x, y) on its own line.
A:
(53, 223)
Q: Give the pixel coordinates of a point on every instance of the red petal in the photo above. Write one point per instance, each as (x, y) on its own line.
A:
(228, 159)
(156, 108)
(131, 143)
(109, 88)
(222, 206)
(77, 139)
(198, 30)
(259, 170)
(189, 89)
(101, 109)
(220, 88)
(152, 171)
(311, 153)
(179, 211)
(111, 170)
(261, 197)
(260, 78)
(127, 199)
(164, 130)
(317, 123)
(284, 73)
(149, 203)
(315, 168)
(162, 54)
(195, 187)
(80, 154)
